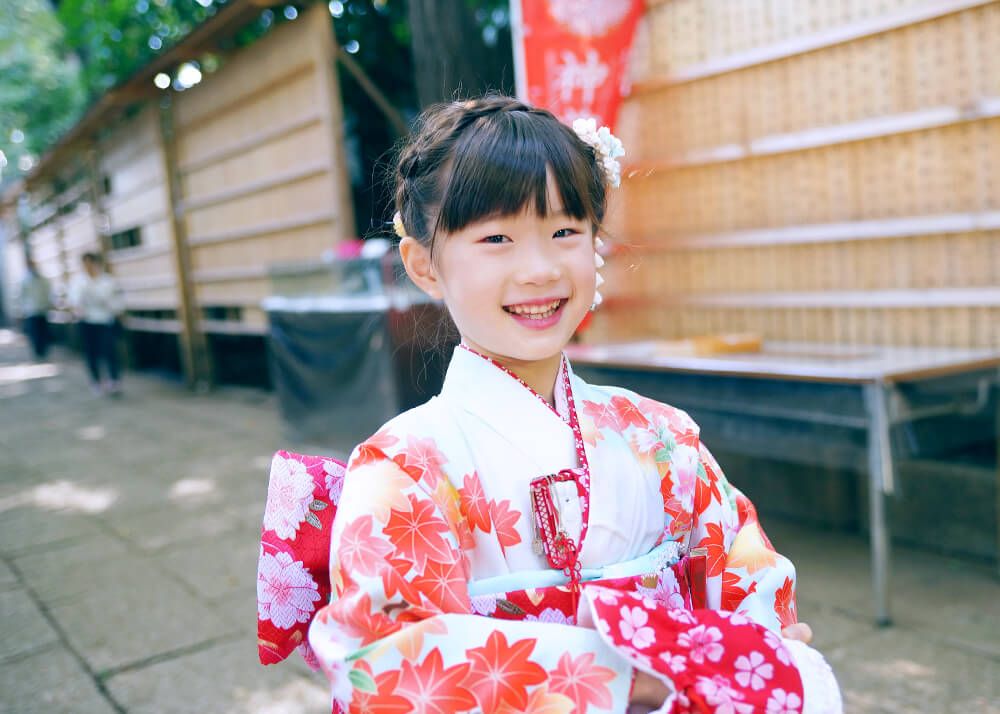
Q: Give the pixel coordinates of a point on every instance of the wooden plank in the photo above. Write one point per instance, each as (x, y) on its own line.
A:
(276, 179)
(808, 43)
(876, 127)
(932, 298)
(285, 224)
(264, 136)
(845, 231)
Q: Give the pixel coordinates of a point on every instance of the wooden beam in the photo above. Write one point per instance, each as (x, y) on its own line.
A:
(195, 357)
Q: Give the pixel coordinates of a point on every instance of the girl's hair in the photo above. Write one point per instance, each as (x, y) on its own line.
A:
(472, 160)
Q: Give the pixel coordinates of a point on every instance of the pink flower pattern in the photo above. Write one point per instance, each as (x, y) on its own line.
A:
(289, 494)
(634, 629)
(704, 643)
(285, 590)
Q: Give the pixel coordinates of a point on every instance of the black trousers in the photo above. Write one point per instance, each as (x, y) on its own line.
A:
(36, 327)
(99, 348)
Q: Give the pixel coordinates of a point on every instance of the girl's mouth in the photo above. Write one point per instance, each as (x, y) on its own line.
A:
(537, 315)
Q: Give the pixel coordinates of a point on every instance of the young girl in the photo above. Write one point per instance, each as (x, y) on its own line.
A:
(526, 541)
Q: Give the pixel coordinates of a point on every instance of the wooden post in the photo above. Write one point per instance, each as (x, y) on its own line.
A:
(331, 109)
(195, 357)
(98, 215)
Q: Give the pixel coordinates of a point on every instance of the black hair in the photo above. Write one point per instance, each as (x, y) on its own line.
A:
(469, 161)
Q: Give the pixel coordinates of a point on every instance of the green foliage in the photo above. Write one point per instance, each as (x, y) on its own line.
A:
(40, 92)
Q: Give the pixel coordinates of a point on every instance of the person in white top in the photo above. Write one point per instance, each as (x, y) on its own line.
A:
(97, 301)
(33, 303)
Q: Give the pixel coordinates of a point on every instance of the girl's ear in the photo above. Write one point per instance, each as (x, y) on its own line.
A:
(417, 261)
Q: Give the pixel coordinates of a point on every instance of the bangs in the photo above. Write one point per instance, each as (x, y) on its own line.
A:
(499, 168)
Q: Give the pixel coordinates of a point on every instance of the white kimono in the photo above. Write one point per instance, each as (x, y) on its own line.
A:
(443, 602)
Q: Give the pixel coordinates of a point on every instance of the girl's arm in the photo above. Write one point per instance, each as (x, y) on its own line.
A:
(401, 629)
(745, 573)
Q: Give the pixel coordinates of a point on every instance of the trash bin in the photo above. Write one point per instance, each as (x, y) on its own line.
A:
(351, 343)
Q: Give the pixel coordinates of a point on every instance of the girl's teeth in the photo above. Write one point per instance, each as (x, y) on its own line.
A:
(535, 311)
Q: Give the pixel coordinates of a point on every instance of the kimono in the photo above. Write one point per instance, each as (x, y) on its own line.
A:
(443, 602)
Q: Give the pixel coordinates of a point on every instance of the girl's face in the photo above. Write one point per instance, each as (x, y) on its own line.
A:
(517, 286)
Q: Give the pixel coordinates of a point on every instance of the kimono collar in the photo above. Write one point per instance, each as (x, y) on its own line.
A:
(485, 389)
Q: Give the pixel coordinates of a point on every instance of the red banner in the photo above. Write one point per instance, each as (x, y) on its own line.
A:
(572, 55)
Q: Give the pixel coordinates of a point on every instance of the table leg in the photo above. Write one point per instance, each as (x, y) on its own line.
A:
(881, 479)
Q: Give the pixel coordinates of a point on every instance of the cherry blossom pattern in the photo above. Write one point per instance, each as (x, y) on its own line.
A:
(753, 671)
(782, 702)
(289, 497)
(634, 628)
(285, 590)
(704, 643)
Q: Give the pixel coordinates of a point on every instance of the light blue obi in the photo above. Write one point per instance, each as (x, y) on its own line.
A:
(660, 557)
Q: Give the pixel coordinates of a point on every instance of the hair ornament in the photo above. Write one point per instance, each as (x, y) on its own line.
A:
(397, 225)
(607, 146)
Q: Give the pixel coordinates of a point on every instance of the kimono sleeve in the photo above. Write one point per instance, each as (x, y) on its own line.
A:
(745, 573)
(400, 627)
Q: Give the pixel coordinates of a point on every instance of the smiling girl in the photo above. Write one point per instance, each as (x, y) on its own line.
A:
(526, 541)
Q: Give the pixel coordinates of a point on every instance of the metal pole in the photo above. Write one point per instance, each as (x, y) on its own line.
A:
(880, 484)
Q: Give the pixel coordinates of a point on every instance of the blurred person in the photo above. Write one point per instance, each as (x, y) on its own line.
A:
(97, 302)
(34, 298)
(525, 539)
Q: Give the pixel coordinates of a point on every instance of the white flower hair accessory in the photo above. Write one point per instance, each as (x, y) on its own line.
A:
(397, 225)
(607, 146)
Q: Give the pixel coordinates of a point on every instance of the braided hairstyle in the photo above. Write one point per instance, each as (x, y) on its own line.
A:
(492, 156)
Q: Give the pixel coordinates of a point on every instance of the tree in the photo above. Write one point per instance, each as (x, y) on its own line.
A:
(41, 95)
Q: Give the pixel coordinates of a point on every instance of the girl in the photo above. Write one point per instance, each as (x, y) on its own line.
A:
(526, 541)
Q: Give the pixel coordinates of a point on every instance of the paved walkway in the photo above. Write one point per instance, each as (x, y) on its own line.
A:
(128, 546)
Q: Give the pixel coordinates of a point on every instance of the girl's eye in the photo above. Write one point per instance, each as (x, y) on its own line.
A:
(495, 239)
(565, 232)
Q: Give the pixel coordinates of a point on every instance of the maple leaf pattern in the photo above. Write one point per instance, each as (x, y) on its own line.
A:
(505, 522)
(784, 603)
(541, 701)
(474, 505)
(502, 673)
(732, 593)
(715, 543)
(418, 533)
(423, 460)
(750, 551)
(627, 414)
(360, 552)
(383, 700)
(583, 682)
(432, 688)
(603, 415)
(373, 448)
(445, 586)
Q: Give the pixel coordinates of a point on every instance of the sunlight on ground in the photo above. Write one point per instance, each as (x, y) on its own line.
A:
(8, 337)
(298, 697)
(94, 432)
(192, 488)
(14, 373)
(63, 496)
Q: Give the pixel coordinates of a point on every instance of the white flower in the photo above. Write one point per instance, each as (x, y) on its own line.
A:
(724, 698)
(550, 615)
(607, 147)
(676, 663)
(667, 591)
(775, 643)
(735, 618)
(289, 494)
(753, 671)
(703, 643)
(682, 616)
(782, 702)
(285, 590)
(684, 462)
(634, 629)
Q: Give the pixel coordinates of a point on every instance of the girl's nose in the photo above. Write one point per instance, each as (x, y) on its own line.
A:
(538, 267)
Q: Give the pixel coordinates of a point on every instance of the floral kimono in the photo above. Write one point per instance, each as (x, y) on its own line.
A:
(444, 594)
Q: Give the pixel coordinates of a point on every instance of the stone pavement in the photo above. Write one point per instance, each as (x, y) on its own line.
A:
(128, 547)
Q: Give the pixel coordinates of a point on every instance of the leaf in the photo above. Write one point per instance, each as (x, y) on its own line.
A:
(312, 520)
(362, 680)
(317, 505)
(510, 608)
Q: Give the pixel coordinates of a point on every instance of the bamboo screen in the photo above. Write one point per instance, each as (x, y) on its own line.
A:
(815, 170)
(259, 161)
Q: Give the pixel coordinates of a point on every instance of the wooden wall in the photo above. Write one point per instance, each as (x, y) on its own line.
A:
(821, 170)
(259, 161)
